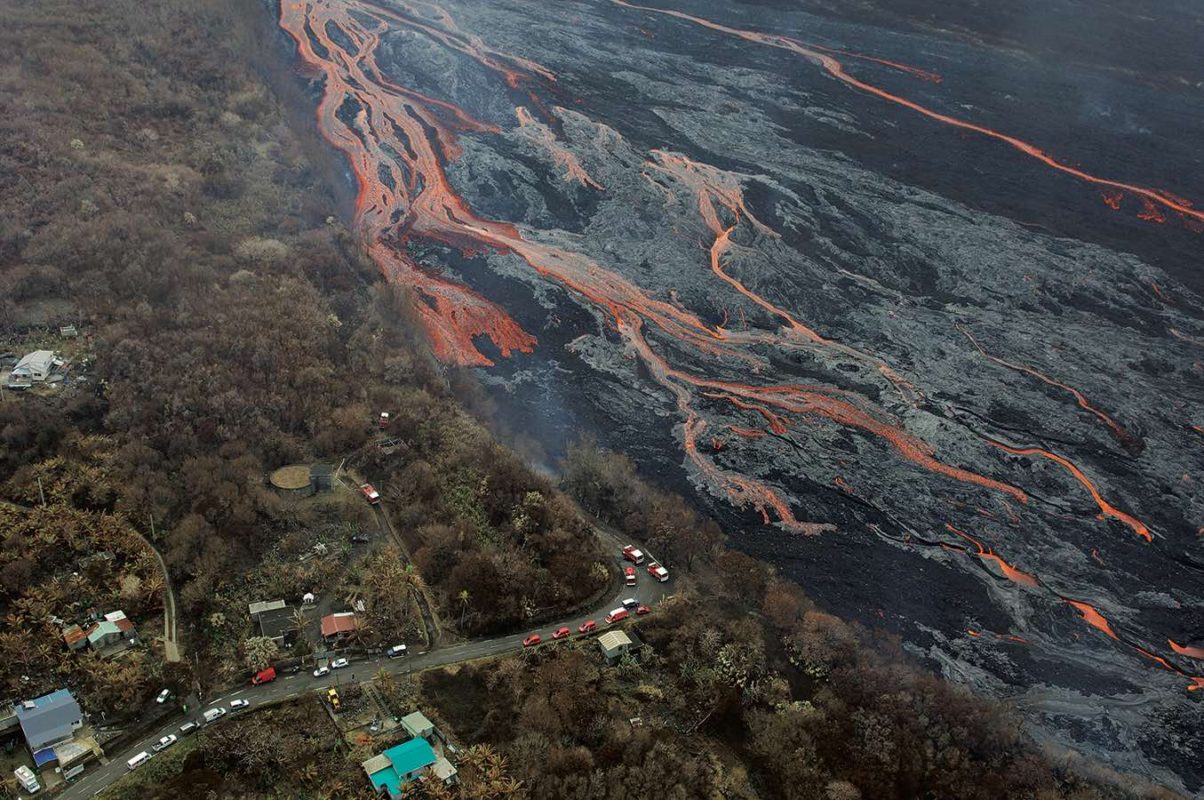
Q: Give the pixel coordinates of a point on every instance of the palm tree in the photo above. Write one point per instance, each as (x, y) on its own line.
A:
(464, 597)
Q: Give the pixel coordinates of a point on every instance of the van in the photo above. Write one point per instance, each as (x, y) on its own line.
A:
(618, 615)
(214, 714)
(396, 651)
(631, 604)
(138, 760)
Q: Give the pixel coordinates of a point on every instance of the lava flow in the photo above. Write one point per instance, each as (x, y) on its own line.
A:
(1152, 198)
(1106, 508)
(398, 143)
(1126, 439)
(1009, 572)
(397, 146)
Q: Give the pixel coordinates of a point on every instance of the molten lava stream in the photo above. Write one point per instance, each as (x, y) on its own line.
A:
(1123, 436)
(1106, 508)
(1152, 198)
(1011, 573)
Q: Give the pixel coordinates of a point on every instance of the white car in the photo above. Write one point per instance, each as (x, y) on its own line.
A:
(321, 672)
(165, 742)
(339, 663)
(237, 704)
(163, 696)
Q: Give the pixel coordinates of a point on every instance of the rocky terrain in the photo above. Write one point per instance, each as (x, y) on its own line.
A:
(915, 309)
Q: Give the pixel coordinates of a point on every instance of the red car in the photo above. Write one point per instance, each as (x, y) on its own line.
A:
(589, 626)
(369, 492)
(642, 610)
(561, 633)
(618, 615)
(629, 576)
(532, 640)
(658, 572)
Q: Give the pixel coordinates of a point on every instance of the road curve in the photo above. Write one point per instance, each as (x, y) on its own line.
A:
(647, 591)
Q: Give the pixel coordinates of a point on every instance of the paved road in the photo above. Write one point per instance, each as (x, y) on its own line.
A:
(647, 591)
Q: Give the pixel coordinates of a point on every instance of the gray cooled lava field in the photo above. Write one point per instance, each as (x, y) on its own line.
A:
(908, 296)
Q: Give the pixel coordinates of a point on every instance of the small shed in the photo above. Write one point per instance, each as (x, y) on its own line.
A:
(418, 726)
(257, 608)
(614, 644)
(321, 477)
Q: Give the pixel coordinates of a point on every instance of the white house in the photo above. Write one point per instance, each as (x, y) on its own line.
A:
(35, 367)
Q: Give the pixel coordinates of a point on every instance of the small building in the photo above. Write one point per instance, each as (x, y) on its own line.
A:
(614, 644)
(74, 637)
(418, 726)
(28, 781)
(399, 766)
(278, 624)
(35, 367)
(338, 627)
(113, 634)
(49, 719)
(255, 609)
(321, 477)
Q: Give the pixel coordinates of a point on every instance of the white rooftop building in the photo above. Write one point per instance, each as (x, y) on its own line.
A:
(35, 367)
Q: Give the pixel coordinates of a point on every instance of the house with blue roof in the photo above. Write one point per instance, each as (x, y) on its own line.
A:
(391, 771)
(49, 719)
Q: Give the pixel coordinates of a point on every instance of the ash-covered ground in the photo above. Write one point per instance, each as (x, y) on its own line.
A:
(909, 296)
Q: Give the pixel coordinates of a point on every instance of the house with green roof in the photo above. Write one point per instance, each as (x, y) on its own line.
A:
(391, 771)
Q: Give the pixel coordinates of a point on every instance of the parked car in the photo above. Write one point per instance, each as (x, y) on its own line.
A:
(396, 651)
(359, 538)
(339, 663)
(384, 420)
(188, 727)
(165, 742)
(561, 633)
(163, 697)
(618, 615)
(532, 640)
(642, 610)
(236, 705)
(214, 714)
(658, 572)
(629, 576)
(264, 676)
(321, 672)
(633, 554)
(589, 626)
(631, 604)
(370, 493)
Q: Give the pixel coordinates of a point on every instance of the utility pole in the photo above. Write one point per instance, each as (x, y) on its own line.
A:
(152, 522)
(41, 494)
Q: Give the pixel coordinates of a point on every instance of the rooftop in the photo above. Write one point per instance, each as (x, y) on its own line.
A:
(49, 718)
(342, 622)
(614, 640)
(402, 762)
(417, 724)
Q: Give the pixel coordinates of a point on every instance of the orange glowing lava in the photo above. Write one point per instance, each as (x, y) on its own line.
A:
(1122, 435)
(398, 142)
(1009, 572)
(1152, 198)
(1093, 617)
(1184, 650)
(1106, 508)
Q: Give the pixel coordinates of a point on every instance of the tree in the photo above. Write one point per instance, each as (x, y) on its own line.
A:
(463, 596)
(259, 652)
